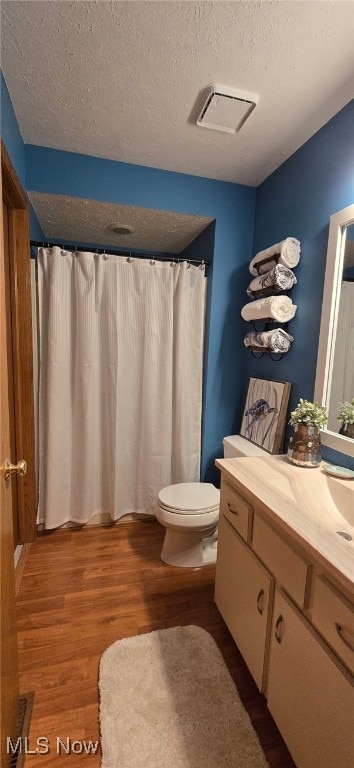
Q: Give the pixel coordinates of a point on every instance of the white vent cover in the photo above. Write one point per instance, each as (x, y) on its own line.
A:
(225, 109)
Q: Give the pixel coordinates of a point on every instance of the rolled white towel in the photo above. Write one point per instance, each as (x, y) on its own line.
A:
(276, 340)
(278, 279)
(289, 255)
(278, 308)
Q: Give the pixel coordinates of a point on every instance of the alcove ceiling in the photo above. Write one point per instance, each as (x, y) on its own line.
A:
(121, 80)
(78, 220)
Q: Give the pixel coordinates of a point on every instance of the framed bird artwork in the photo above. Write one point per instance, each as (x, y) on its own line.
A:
(264, 415)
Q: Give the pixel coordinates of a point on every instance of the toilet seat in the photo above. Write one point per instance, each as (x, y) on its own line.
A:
(189, 498)
(174, 511)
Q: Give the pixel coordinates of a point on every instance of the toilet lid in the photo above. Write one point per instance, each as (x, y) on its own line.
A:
(190, 498)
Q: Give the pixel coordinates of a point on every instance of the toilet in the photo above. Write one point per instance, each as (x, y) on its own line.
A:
(190, 514)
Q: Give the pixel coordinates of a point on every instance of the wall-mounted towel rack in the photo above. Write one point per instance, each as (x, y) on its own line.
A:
(258, 352)
(268, 260)
(268, 322)
(264, 293)
(269, 277)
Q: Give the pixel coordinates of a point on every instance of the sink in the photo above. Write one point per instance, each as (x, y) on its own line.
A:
(342, 495)
(328, 501)
(307, 492)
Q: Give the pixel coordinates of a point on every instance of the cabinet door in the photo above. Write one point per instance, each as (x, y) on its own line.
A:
(243, 594)
(309, 696)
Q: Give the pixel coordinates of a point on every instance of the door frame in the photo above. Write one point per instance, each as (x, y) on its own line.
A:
(16, 201)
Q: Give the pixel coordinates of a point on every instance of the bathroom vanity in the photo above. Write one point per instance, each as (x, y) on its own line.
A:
(285, 588)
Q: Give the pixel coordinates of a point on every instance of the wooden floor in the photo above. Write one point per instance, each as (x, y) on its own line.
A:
(83, 590)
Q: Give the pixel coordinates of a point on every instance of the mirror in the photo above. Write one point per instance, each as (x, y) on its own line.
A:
(335, 362)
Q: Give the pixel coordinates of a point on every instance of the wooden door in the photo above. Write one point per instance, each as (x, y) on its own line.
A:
(10, 445)
(9, 665)
(17, 426)
(20, 340)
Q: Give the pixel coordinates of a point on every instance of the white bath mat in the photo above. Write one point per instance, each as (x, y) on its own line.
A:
(167, 700)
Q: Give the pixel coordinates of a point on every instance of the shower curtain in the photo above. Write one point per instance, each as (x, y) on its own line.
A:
(120, 386)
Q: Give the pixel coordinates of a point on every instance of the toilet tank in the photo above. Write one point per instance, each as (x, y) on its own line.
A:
(236, 446)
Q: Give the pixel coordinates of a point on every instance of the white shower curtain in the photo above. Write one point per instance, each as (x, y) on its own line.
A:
(120, 393)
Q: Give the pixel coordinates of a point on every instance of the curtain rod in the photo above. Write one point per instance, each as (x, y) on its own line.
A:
(131, 254)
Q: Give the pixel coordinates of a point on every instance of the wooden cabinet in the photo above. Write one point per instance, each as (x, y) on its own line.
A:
(244, 599)
(294, 629)
(309, 697)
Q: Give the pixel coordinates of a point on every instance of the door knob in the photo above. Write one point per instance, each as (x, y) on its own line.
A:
(8, 468)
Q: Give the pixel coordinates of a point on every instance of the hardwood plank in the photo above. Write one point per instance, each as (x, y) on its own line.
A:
(38, 604)
(106, 584)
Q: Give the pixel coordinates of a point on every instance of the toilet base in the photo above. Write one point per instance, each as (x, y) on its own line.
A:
(189, 550)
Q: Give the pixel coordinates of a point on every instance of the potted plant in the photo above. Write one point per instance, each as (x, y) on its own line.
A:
(346, 416)
(305, 442)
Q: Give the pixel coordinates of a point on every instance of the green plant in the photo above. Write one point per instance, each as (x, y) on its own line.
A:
(346, 412)
(311, 414)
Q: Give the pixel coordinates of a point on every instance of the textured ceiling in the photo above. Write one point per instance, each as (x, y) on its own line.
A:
(87, 221)
(121, 79)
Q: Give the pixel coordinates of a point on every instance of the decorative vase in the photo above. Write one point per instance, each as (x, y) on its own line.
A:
(347, 430)
(305, 445)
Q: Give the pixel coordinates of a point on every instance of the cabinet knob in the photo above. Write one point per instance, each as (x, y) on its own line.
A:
(233, 511)
(277, 630)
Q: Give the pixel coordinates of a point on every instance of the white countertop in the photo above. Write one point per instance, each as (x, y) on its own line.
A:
(304, 501)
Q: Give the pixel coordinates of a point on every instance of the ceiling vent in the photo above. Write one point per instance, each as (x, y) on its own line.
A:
(225, 109)
(121, 229)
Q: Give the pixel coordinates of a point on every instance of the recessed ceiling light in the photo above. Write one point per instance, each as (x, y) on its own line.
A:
(122, 229)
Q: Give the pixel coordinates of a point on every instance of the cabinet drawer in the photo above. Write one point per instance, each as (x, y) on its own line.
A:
(333, 616)
(237, 511)
(287, 565)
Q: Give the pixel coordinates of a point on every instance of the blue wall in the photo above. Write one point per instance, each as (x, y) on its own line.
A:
(202, 248)
(231, 205)
(36, 232)
(11, 135)
(298, 200)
